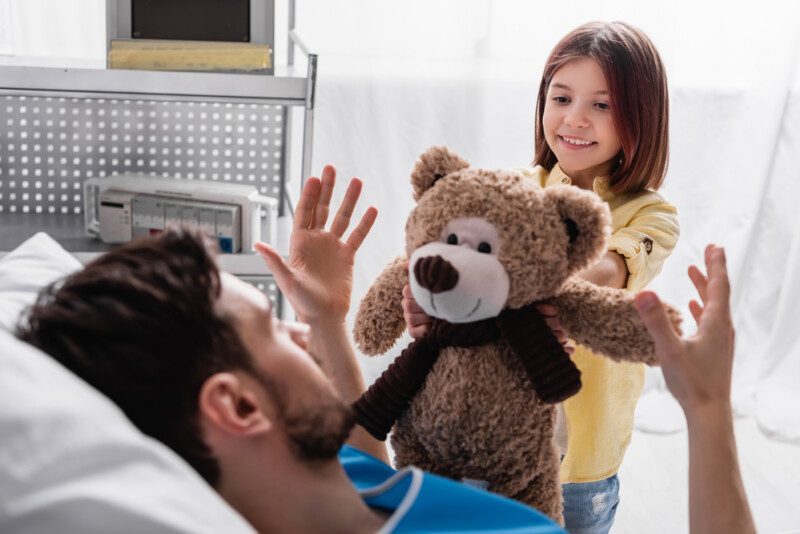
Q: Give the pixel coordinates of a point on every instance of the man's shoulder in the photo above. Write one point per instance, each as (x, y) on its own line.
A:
(422, 501)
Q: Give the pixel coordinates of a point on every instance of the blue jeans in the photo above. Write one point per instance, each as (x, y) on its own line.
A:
(589, 507)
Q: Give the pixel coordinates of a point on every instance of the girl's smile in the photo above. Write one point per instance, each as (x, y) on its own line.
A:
(575, 143)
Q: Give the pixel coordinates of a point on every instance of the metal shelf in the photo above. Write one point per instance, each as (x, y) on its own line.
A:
(47, 162)
(281, 88)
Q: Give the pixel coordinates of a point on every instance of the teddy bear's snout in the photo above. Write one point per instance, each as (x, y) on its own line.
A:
(435, 274)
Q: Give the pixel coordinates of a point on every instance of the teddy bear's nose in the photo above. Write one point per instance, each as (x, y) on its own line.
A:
(435, 274)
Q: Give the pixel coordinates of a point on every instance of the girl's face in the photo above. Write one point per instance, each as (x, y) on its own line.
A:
(577, 121)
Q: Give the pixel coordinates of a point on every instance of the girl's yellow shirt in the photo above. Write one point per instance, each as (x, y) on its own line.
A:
(600, 417)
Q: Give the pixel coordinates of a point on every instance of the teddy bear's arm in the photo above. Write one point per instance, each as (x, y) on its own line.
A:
(605, 320)
(379, 321)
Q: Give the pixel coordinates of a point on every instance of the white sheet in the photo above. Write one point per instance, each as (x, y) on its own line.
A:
(27, 269)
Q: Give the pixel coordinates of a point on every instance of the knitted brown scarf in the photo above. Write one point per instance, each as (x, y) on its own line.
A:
(552, 374)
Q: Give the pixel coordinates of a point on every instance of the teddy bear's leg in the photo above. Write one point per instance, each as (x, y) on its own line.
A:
(407, 448)
(544, 491)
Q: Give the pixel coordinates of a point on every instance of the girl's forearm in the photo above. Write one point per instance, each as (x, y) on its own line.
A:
(717, 500)
(609, 271)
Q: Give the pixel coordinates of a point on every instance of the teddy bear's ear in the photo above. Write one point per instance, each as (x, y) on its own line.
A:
(437, 162)
(586, 220)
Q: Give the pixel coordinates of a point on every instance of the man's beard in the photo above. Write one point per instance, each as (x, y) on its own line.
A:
(317, 430)
(318, 433)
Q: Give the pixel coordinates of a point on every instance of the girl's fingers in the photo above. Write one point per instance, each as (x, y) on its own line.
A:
(323, 201)
(304, 212)
(548, 310)
(418, 331)
(417, 319)
(342, 219)
(407, 294)
(409, 304)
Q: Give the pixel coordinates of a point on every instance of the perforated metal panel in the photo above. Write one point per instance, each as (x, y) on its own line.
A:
(267, 285)
(49, 145)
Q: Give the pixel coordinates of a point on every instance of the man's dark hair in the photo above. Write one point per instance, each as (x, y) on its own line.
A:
(139, 324)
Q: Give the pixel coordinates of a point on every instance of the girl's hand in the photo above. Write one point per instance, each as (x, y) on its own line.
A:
(317, 280)
(698, 369)
(550, 315)
(417, 321)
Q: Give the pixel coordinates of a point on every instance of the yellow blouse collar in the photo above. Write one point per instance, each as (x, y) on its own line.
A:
(599, 185)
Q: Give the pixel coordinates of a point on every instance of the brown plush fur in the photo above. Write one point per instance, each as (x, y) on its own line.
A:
(477, 415)
(380, 314)
(606, 320)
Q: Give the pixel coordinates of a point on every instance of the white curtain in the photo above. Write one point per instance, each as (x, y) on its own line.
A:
(397, 78)
(69, 33)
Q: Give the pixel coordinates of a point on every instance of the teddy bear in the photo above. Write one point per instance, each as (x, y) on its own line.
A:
(475, 398)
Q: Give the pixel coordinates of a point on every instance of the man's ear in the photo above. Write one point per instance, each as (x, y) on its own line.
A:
(232, 406)
(436, 163)
(587, 223)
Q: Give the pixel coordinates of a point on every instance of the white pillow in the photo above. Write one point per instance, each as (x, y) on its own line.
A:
(26, 270)
(70, 461)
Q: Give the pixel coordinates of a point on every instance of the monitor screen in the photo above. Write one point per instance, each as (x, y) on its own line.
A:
(193, 20)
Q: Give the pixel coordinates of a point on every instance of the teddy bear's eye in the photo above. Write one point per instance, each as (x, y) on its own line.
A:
(484, 247)
(452, 239)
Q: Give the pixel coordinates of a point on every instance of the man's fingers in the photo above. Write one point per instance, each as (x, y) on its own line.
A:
(360, 232)
(717, 313)
(304, 211)
(323, 201)
(700, 282)
(697, 311)
(300, 333)
(658, 324)
(719, 285)
(276, 264)
(342, 219)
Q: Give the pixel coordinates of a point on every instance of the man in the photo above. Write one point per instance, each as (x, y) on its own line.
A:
(196, 359)
(259, 407)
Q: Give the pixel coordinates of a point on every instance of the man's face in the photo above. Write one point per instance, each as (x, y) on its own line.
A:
(313, 417)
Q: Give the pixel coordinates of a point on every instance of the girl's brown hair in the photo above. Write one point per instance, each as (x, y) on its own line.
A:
(637, 85)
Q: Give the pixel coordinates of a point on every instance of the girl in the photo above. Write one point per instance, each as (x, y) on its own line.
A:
(602, 125)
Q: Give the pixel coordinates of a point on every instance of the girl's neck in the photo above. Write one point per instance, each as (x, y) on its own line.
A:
(584, 178)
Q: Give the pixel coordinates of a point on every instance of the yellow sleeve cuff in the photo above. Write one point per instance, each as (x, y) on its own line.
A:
(633, 249)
